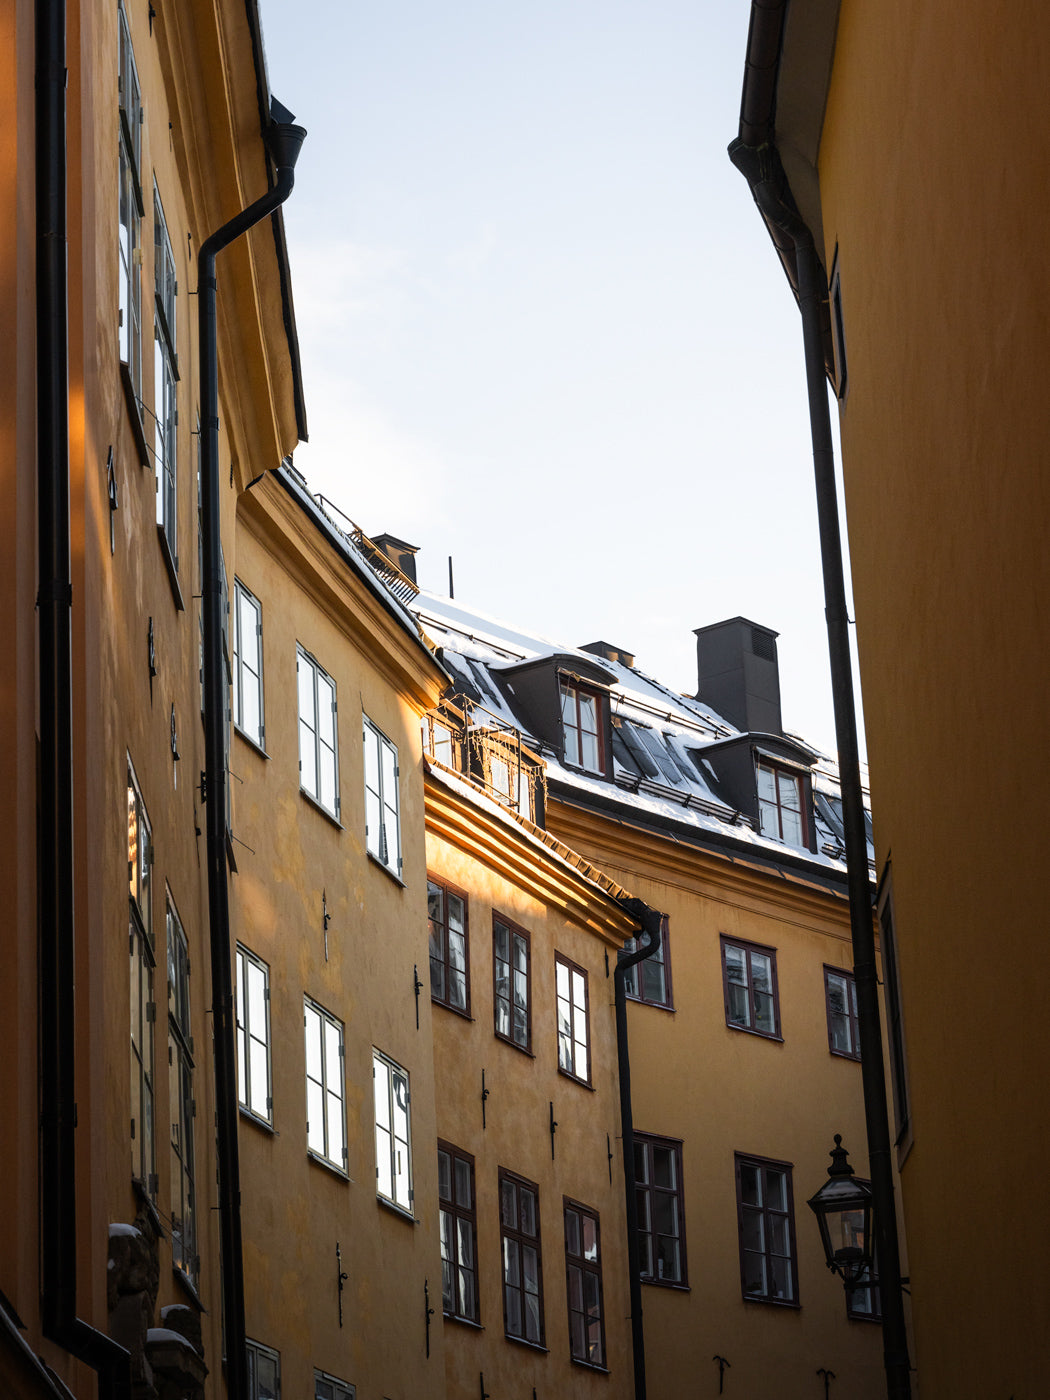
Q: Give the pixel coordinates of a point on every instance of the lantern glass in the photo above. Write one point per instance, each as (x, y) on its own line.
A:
(843, 1210)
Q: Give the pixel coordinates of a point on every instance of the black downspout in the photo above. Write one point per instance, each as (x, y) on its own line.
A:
(762, 169)
(55, 872)
(649, 921)
(284, 142)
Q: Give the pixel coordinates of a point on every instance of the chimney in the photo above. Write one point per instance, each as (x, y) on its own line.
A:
(608, 652)
(400, 554)
(738, 674)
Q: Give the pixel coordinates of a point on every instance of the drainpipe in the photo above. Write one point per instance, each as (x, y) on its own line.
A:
(55, 874)
(283, 142)
(649, 926)
(761, 167)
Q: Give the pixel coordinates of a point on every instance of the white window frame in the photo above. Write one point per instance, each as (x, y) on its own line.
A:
(573, 1019)
(131, 208)
(256, 1352)
(250, 1035)
(382, 798)
(312, 677)
(244, 677)
(182, 1104)
(326, 1071)
(393, 1148)
(165, 378)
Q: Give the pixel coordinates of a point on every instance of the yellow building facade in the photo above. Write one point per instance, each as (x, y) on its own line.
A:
(898, 133)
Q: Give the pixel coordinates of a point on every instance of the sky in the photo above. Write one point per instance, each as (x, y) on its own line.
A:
(542, 327)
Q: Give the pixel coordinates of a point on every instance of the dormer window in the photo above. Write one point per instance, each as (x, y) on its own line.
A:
(581, 721)
(780, 806)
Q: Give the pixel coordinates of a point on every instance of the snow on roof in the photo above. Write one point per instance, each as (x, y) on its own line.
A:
(659, 770)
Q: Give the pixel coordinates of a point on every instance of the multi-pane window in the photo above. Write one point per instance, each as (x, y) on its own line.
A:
(253, 1035)
(749, 977)
(659, 1199)
(165, 377)
(382, 818)
(140, 857)
(264, 1372)
(650, 980)
(247, 665)
(143, 1008)
(318, 756)
(510, 973)
(780, 809)
(325, 1091)
(573, 1031)
(894, 1012)
(583, 1278)
(519, 1216)
(181, 1102)
(449, 965)
(328, 1387)
(129, 239)
(840, 994)
(581, 723)
(459, 1233)
(766, 1219)
(393, 1136)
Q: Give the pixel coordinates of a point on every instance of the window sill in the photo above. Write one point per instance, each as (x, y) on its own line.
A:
(386, 870)
(844, 1055)
(587, 772)
(865, 1317)
(149, 1206)
(456, 1010)
(791, 1303)
(338, 1172)
(656, 1005)
(575, 1078)
(590, 1366)
(670, 1283)
(134, 415)
(249, 1116)
(189, 1288)
(759, 1035)
(252, 744)
(524, 1342)
(172, 568)
(397, 1210)
(521, 1049)
(463, 1321)
(320, 807)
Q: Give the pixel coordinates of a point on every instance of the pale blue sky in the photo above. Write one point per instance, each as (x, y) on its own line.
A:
(543, 329)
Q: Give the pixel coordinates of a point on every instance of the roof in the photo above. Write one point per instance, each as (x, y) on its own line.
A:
(661, 775)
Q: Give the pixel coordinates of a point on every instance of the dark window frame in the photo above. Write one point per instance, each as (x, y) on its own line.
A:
(764, 1165)
(257, 1351)
(574, 970)
(508, 1038)
(578, 687)
(871, 1288)
(648, 1190)
(896, 1039)
(517, 1235)
(447, 889)
(451, 1206)
(586, 1268)
(852, 1025)
(744, 945)
(181, 1101)
(793, 775)
(664, 962)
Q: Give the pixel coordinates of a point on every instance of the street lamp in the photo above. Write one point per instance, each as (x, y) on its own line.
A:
(843, 1210)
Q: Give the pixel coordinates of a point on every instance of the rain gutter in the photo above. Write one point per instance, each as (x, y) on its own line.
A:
(283, 141)
(55, 843)
(756, 156)
(649, 928)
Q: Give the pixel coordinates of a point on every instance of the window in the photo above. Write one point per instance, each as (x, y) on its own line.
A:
(143, 1007)
(573, 1040)
(780, 809)
(129, 239)
(181, 1102)
(650, 980)
(838, 331)
(318, 758)
(325, 1094)
(581, 723)
(328, 1387)
(840, 995)
(894, 1016)
(459, 1233)
(583, 1277)
(165, 377)
(865, 1301)
(438, 741)
(749, 977)
(247, 665)
(264, 1372)
(382, 820)
(510, 972)
(661, 1217)
(449, 966)
(393, 1144)
(253, 1035)
(140, 857)
(766, 1220)
(519, 1216)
